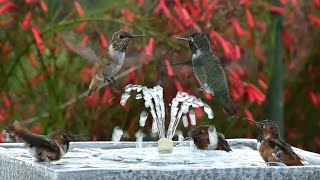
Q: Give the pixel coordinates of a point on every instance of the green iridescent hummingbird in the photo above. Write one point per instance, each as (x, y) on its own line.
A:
(209, 72)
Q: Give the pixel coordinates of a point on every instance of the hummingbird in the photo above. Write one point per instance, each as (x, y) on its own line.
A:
(206, 137)
(209, 72)
(109, 62)
(271, 147)
(44, 148)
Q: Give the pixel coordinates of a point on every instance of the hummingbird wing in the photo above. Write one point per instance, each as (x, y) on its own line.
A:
(223, 143)
(80, 49)
(217, 81)
(283, 151)
(33, 140)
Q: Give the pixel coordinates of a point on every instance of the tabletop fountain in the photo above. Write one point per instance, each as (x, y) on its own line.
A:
(142, 160)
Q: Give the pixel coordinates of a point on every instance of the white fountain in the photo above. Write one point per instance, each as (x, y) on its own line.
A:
(180, 107)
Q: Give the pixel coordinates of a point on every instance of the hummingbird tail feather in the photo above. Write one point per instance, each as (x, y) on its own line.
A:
(18, 132)
(228, 108)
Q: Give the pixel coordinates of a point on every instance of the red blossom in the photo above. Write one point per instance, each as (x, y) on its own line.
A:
(198, 112)
(149, 47)
(85, 40)
(277, 9)
(2, 1)
(178, 85)
(79, 8)
(208, 96)
(44, 6)
(238, 28)
(250, 20)
(237, 53)
(246, 3)
(41, 77)
(194, 11)
(81, 27)
(316, 3)
(6, 101)
(294, 3)
(283, 2)
(248, 115)
(103, 41)
(128, 15)
(254, 94)
(140, 2)
(315, 98)
(26, 21)
(223, 43)
(8, 7)
(314, 19)
(36, 129)
(262, 84)
(36, 36)
(169, 68)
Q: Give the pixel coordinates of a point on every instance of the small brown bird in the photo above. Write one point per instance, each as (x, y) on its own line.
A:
(206, 137)
(44, 148)
(271, 147)
(109, 62)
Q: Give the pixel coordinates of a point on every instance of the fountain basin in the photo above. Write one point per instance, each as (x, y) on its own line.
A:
(122, 160)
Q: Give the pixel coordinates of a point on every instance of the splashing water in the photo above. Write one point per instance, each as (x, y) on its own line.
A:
(180, 107)
(139, 138)
(117, 134)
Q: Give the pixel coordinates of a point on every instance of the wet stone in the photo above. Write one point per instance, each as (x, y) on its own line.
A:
(122, 160)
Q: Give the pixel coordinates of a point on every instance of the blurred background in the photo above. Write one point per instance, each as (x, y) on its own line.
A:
(269, 50)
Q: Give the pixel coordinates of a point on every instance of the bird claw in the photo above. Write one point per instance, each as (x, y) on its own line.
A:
(200, 89)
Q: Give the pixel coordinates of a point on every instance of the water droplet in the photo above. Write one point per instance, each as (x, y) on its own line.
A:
(124, 98)
(143, 118)
(116, 134)
(192, 115)
(185, 121)
(138, 96)
(208, 110)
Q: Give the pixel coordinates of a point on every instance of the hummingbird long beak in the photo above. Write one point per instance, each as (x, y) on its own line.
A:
(183, 39)
(250, 120)
(137, 36)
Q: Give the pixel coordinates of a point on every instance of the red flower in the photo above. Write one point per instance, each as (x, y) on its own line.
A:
(262, 84)
(223, 43)
(178, 85)
(8, 7)
(294, 3)
(169, 68)
(128, 15)
(79, 9)
(36, 129)
(1, 117)
(316, 3)
(103, 41)
(85, 40)
(44, 6)
(26, 21)
(314, 19)
(107, 96)
(6, 101)
(277, 9)
(245, 3)
(248, 115)
(250, 20)
(198, 112)
(81, 27)
(238, 28)
(149, 47)
(283, 2)
(254, 94)
(36, 36)
(237, 53)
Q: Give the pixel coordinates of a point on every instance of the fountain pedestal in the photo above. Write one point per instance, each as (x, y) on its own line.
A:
(122, 160)
(165, 145)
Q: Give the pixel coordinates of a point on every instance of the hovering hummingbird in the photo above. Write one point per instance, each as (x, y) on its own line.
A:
(209, 72)
(206, 137)
(271, 147)
(109, 62)
(44, 148)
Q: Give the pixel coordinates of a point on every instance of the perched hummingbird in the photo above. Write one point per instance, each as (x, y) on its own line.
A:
(271, 147)
(109, 62)
(209, 72)
(206, 137)
(44, 148)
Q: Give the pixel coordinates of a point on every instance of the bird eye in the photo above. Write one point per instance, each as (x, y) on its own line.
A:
(191, 39)
(202, 131)
(121, 36)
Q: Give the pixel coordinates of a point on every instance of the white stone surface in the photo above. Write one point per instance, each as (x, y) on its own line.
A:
(122, 160)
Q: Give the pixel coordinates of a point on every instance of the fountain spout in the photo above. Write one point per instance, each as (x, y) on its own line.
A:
(180, 105)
